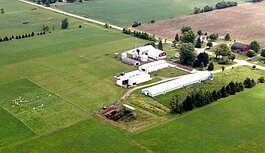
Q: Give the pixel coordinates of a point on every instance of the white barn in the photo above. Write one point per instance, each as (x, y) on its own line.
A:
(150, 51)
(184, 81)
(132, 78)
(154, 66)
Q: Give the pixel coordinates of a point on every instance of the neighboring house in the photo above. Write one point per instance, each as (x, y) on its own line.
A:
(240, 48)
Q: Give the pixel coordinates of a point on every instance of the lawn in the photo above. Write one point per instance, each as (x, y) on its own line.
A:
(125, 12)
(234, 124)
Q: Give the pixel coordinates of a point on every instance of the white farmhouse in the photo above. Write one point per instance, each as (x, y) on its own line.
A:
(150, 51)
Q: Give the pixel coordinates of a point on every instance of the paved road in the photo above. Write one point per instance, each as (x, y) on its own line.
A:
(71, 15)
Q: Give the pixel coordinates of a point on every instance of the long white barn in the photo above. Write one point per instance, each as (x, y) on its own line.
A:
(184, 81)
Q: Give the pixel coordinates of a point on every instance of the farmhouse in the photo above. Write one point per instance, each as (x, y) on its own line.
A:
(240, 47)
(184, 81)
(150, 51)
(132, 78)
(154, 66)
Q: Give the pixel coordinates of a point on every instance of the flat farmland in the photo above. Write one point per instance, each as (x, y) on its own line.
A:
(125, 12)
(233, 124)
(245, 22)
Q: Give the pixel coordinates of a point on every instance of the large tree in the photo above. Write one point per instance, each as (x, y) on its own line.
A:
(64, 23)
(187, 53)
(262, 53)
(254, 45)
(222, 50)
(188, 37)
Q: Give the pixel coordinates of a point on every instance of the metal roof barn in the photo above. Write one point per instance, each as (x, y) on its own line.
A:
(130, 61)
(184, 81)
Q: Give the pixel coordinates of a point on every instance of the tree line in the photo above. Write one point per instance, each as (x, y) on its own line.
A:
(219, 5)
(5, 39)
(201, 98)
(142, 35)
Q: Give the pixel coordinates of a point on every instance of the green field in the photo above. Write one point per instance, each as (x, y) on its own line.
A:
(234, 124)
(125, 12)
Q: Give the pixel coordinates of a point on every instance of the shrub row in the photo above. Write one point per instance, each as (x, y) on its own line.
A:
(142, 35)
(202, 98)
(5, 39)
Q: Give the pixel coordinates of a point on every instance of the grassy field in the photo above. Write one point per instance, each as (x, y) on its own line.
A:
(61, 79)
(87, 136)
(39, 109)
(125, 12)
(12, 129)
(234, 124)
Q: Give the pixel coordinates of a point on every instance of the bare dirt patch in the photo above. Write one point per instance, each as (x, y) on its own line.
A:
(245, 22)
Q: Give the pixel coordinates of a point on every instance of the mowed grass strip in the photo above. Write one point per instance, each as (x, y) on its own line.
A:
(215, 128)
(12, 129)
(39, 109)
(87, 136)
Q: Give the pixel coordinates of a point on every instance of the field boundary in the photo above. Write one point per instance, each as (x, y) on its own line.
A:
(19, 120)
(83, 110)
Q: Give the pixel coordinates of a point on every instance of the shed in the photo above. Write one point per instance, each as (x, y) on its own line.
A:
(130, 61)
(154, 66)
(238, 47)
(184, 81)
(132, 78)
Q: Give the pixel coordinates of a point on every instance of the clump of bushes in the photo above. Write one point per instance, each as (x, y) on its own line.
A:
(136, 24)
(219, 5)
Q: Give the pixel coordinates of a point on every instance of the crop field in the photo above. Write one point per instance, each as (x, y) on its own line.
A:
(125, 12)
(241, 22)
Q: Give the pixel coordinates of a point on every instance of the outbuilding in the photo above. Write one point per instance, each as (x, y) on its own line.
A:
(238, 47)
(132, 78)
(130, 61)
(154, 66)
(183, 81)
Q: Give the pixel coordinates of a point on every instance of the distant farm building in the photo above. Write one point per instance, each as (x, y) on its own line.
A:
(132, 78)
(182, 82)
(240, 48)
(154, 66)
(148, 51)
(130, 61)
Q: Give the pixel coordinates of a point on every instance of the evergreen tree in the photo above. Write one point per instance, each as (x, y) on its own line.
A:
(210, 67)
(176, 107)
(227, 37)
(160, 45)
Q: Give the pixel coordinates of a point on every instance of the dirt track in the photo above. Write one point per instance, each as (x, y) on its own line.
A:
(245, 22)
